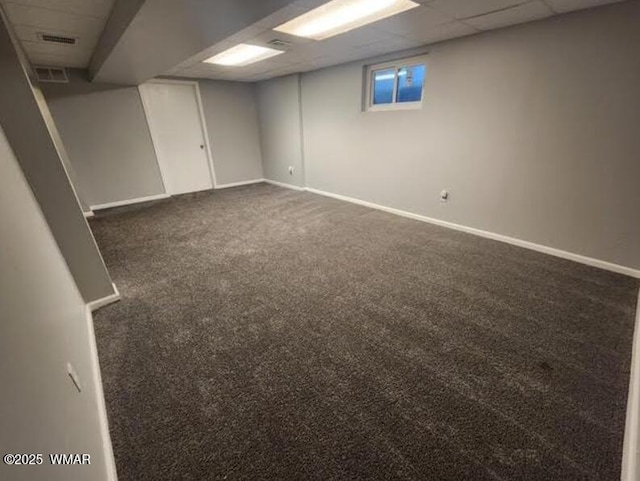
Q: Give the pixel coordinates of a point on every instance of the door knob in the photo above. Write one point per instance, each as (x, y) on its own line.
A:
(201, 146)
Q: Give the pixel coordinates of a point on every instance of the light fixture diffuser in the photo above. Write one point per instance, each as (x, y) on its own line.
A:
(243, 54)
(339, 16)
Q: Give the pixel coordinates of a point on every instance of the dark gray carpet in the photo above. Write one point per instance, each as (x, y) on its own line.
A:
(271, 334)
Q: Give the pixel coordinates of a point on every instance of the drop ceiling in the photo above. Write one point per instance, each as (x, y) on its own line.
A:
(433, 21)
(83, 20)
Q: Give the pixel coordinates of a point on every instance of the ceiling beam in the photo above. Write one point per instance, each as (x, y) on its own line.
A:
(145, 38)
(123, 13)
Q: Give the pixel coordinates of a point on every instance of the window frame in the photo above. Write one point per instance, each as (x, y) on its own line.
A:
(396, 65)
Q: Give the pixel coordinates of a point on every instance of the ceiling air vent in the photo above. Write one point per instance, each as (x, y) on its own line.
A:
(52, 74)
(276, 42)
(50, 38)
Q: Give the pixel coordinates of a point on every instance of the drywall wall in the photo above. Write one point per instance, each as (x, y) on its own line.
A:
(232, 123)
(30, 136)
(281, 129)
(121, 16)
(45, 325)
(107, 139)
(57, 140)
(105, 132)
(533, 129)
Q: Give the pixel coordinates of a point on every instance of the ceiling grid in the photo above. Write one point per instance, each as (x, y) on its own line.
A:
(433, 21)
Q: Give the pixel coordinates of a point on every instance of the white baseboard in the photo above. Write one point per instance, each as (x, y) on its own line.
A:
(89, 214)
(121, 203)
(286, 186)
(109, 459)
(489, 235)
(105, 301)
(238, 184)
(630, 450)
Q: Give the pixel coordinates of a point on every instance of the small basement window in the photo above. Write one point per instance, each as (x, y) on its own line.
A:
(396, 85)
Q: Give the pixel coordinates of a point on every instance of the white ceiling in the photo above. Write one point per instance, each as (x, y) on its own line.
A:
(433, 21)
(82, 19)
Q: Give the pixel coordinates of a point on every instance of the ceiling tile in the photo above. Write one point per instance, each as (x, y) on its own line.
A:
(244, 35)
(92, 8)
(73, 61)
(28, 33)
(295, 56)
(213, 69)
(310, 4)
(81, 19)
(414, 22)
(519, 14)
(357, 38)
(562, 6)
(53, 21)
(470, 8)
(380, 48)
(443, 32)
(318, 49)
(56, 49)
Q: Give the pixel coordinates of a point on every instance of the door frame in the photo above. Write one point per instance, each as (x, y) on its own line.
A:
(203, 125)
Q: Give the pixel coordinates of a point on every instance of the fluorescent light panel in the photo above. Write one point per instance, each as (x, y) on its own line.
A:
(339, 16)
(242, 55)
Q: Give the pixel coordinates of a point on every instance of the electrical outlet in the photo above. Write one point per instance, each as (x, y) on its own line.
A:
(290, 170)
(444, 196)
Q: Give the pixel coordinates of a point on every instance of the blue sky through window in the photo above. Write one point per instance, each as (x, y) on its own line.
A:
(409, 88)
(410, 83)
(383, 83)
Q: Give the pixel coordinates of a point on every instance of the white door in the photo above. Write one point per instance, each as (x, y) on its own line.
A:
(178, 136)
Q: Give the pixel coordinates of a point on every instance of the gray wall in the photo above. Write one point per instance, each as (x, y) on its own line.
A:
(107, 138)
(44, 326)
(57, 140)
(232, 121)
(30, 136)
(105, 132)
(533, 129)
(281, 129)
